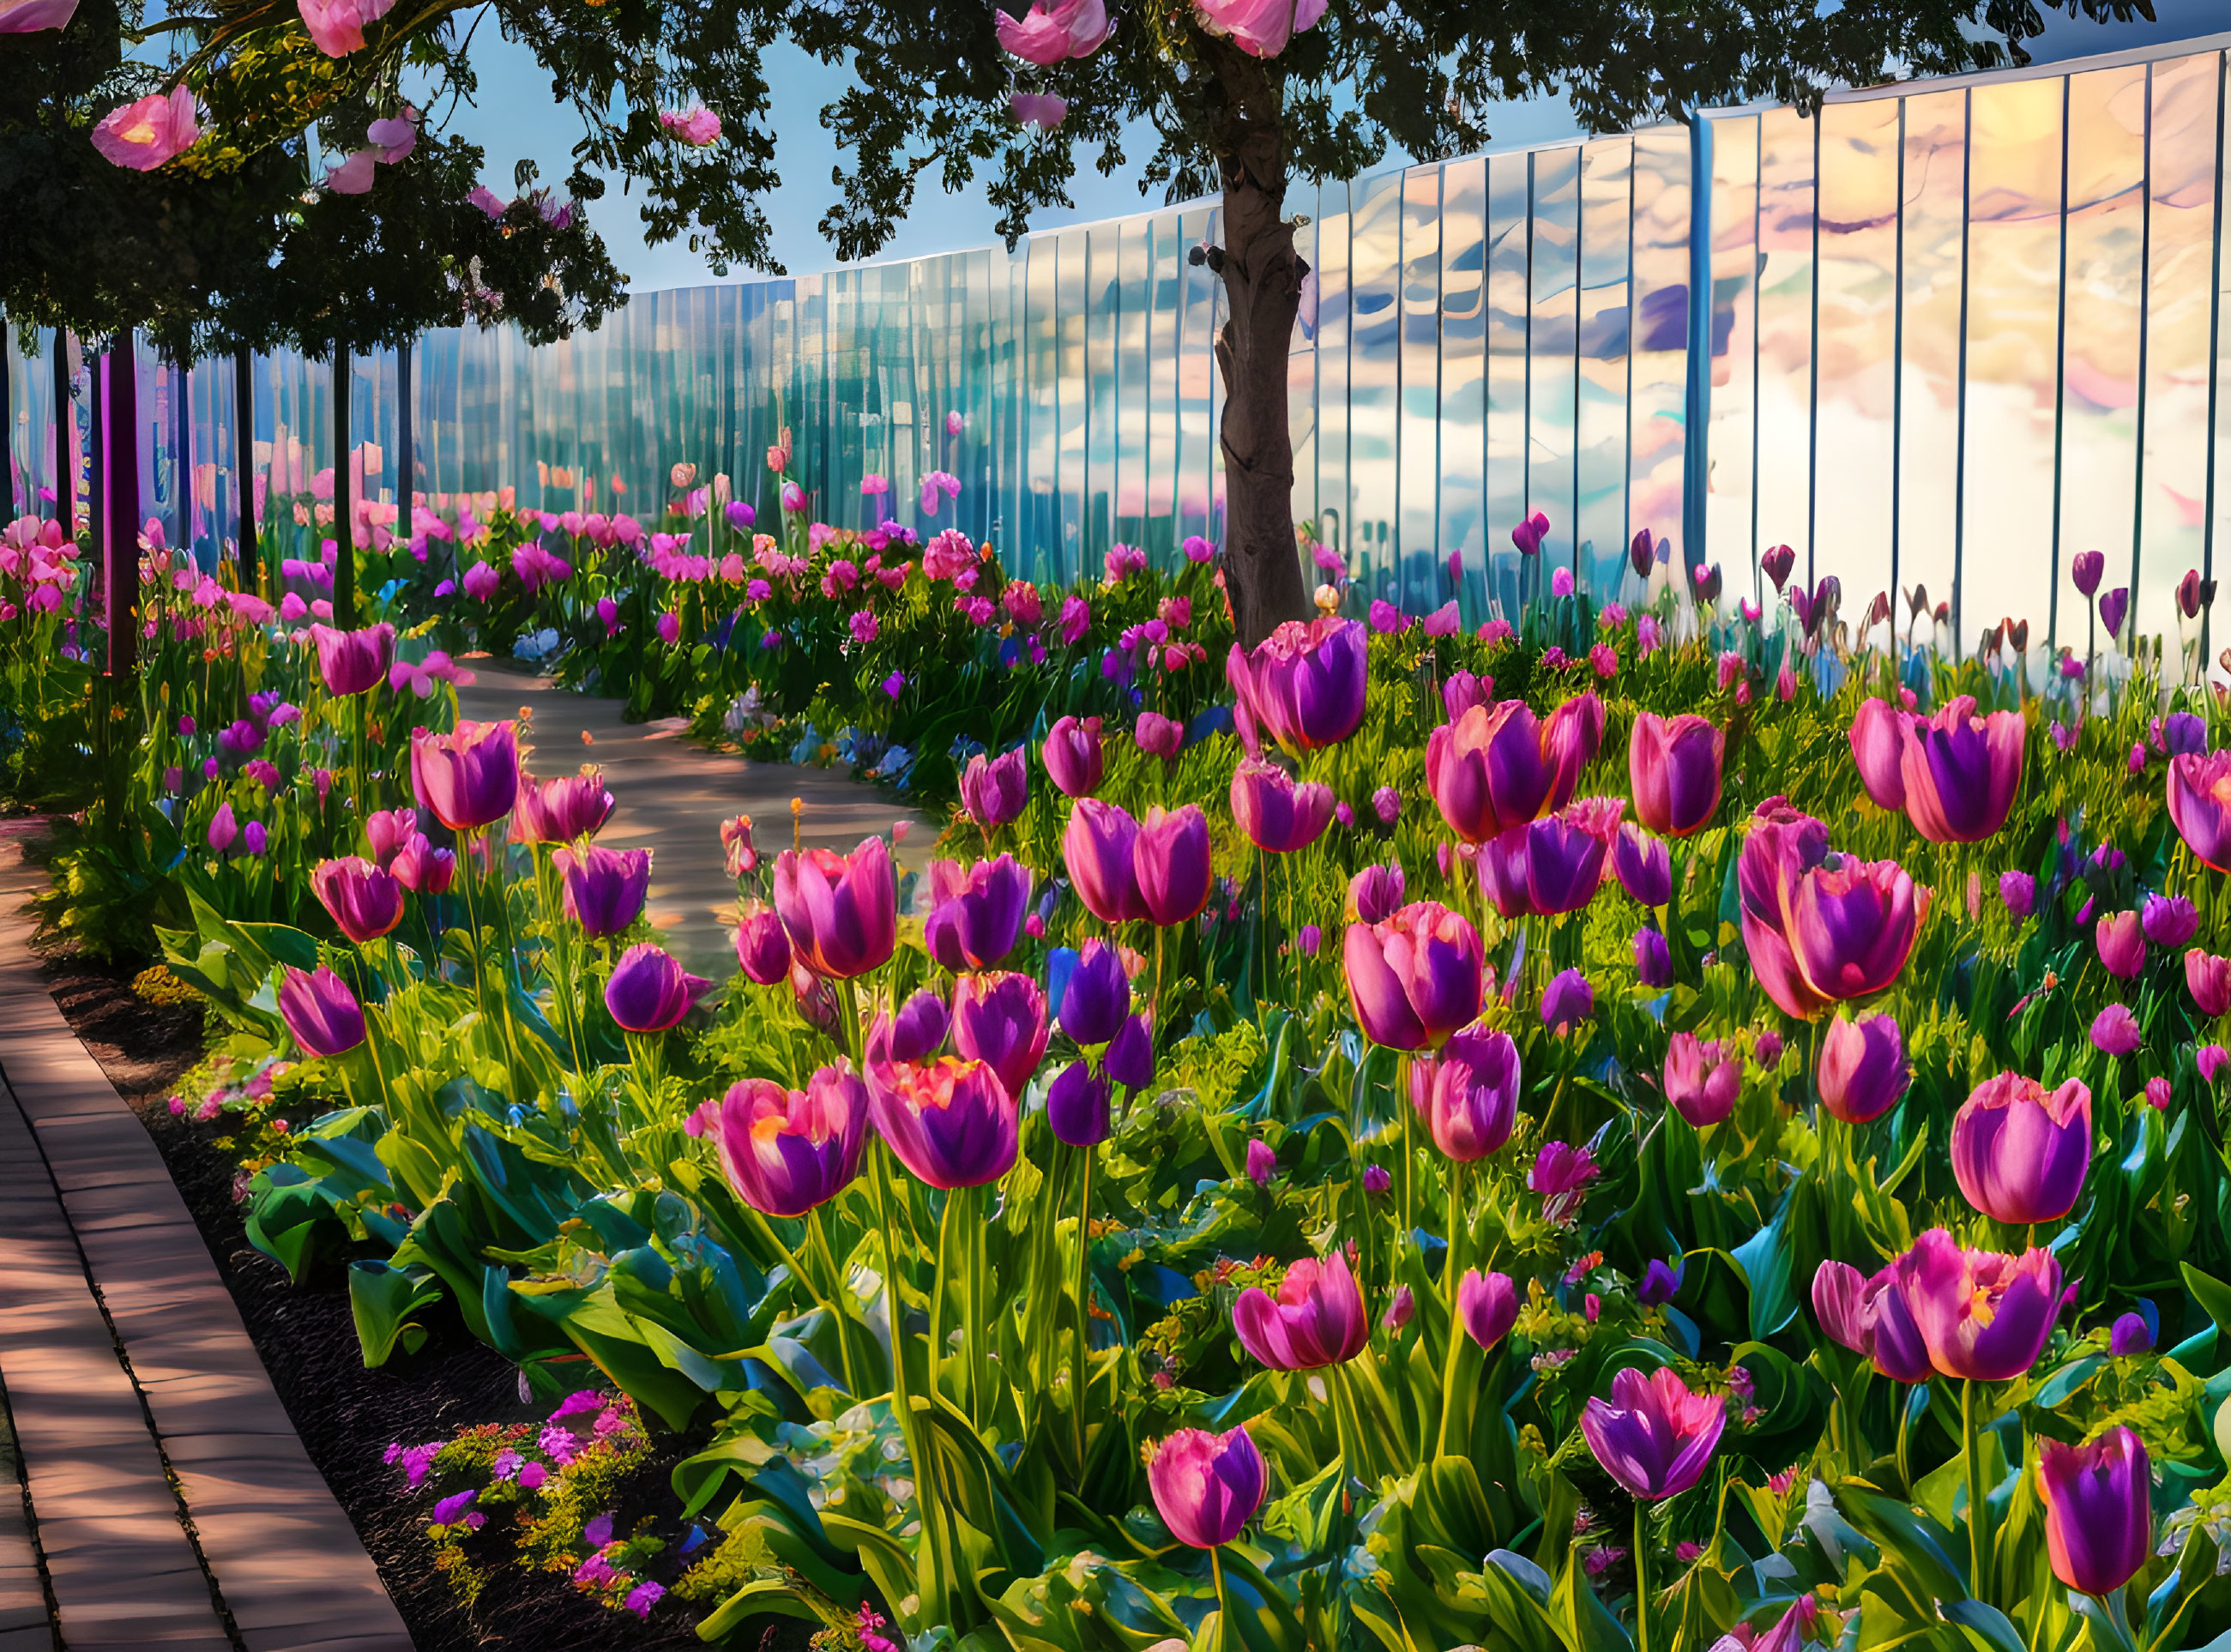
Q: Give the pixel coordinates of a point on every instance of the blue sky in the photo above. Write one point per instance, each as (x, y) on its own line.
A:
(516, 117)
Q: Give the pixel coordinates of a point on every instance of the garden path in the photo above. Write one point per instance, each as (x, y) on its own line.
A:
(162, 1499)
(672, 796)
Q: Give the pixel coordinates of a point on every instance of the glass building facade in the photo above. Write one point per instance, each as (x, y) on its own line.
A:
(1945, 334)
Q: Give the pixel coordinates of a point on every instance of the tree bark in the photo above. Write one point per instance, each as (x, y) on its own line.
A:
(1261, 276)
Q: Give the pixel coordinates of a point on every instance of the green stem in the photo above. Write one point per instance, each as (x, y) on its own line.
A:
(1223, 1612)
(1979, 1502)
(928, 1506)
(1081, 1351)
(937, 1295)
(1409, 1115)
(816, 1238)
(983, 1402)
(1641, 1577)
(1455, 1279)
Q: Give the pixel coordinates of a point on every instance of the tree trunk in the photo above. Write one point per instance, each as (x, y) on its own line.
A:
(1261, 276)
(243, 467)
(120, 520)
(343, 507)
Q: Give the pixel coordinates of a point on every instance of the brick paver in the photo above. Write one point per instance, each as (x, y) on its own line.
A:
(83, 1191)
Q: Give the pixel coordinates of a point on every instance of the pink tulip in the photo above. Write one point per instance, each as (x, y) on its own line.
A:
(146, 134)
(320, 1012)
(1704, 1079)
(366, 903)
(2200, 805)
(2121, 944)
(563, 810)
(2208, 978)
(1000, 1018)
(841, 911)
(762, 948)
(1317, 1318)
(1303, 685)
(785, 1151)
(1499, 766)
(1862, 1070)
(1817, 933)
(1415, 978)
(2098, 1513)
(1655, 1437)
(469, 778)
(423, 869)
(1206, 1486)
(1467, 1094)
(1961, 771)
(1877, 739)
(1674, 765)
(1985, 1317)
(1073, 758)
(1172, 862)
(1259, 28)
(1553, 865)
(1487, 1306)
(1868, 1316)
(1278, 815)
(2020, 1151)
(950, 1121)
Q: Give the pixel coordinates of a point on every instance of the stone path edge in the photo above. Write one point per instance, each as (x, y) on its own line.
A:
(269, 1543)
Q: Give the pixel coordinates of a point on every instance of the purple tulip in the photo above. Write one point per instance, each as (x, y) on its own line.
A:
(2200, 805)
(994, 789)
(2086, 569)
(1777, 563)
(649, 992)
(1862, 1070)
(1499, 766)
(1817, 930)
(469, 778)
(2020, 1151)
(2112, 608)
(253, 838)
(1376, 893)
(841, 911)
(1561, 1175)
(2129, 1336)
(2115, 1031)
(1962, 771)
(1567, 1000)
(1129, 1057)
(1463, 690)
(1171, 861)
(1487, 1306)
(1661, 1282)
(1278, 815)
(1985, 1317)
(1553, 865)
(915, 1033)
(604, 888)
(1877, 741)
(1076, 1106)
(762, 949)
(1414, 978)
(2018, 889)
(785, 1151)
(1098, 995)
(1262, 1162)
(1467, 1094)
(1868, 1316)
(564, 810)
(1073, 758)
(1100, 850)
(1704, 1079)
(1000, 1020)
(2170, 920)
(1767, 1048)
(352, 661)
(1643, 864)
(1653, 960)
(1674, 765)
(320, 1011)
(1206, 1486)
(1317, 1318)
(979, 914)
(950, 1121)
(2099, 1514)
(1655, 1437)
(2121, 944)
(2182, 734)
(365, 902)
(1303, 685)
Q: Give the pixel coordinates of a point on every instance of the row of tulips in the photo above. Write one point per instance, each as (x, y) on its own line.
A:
(1799, 1204)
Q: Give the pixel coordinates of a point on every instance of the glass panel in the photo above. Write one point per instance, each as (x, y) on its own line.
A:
(1041, 388)
(1333, 329)
(1196, 376)
(1136, 258)
(2014, 261)
(1072, 271)
(1102, 300)
(1552, 377)
(1786, 203)
(1417, 523)
(1508, 317)
(1302, 374)
(1733, 433)
(2104, 291)
(2181, 184)
(1376, 252)
(1606, 220)
(1858, 321)
(1162, 329)
(1464, 407)
(1658, 409)
(1932, 224)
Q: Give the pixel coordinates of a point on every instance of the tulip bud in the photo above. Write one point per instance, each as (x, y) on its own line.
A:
(2020, 1152)
(1653, 962)
(2098, 1516)
(1076, 1106)
(1862, 1072)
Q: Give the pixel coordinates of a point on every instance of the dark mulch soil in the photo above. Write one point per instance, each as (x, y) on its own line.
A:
(347, 1416)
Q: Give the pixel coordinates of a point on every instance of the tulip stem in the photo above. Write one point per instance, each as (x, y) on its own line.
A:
(1641, 1576)
(982, 1400)
(1453, 1280)
(927, 1504)
(1409, 1113)
(937, 1296)
(1223, 1612)
(816, 1238)
(1979, 1503)
(1081, 1351)
(798, 1273)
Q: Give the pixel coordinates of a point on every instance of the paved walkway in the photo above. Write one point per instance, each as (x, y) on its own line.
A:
(672, 796)
(161, 1499)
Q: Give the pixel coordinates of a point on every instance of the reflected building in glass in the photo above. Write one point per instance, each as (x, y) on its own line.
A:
(1957, 332)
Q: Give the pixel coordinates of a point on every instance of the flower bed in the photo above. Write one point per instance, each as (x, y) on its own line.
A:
(1635, 1122)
